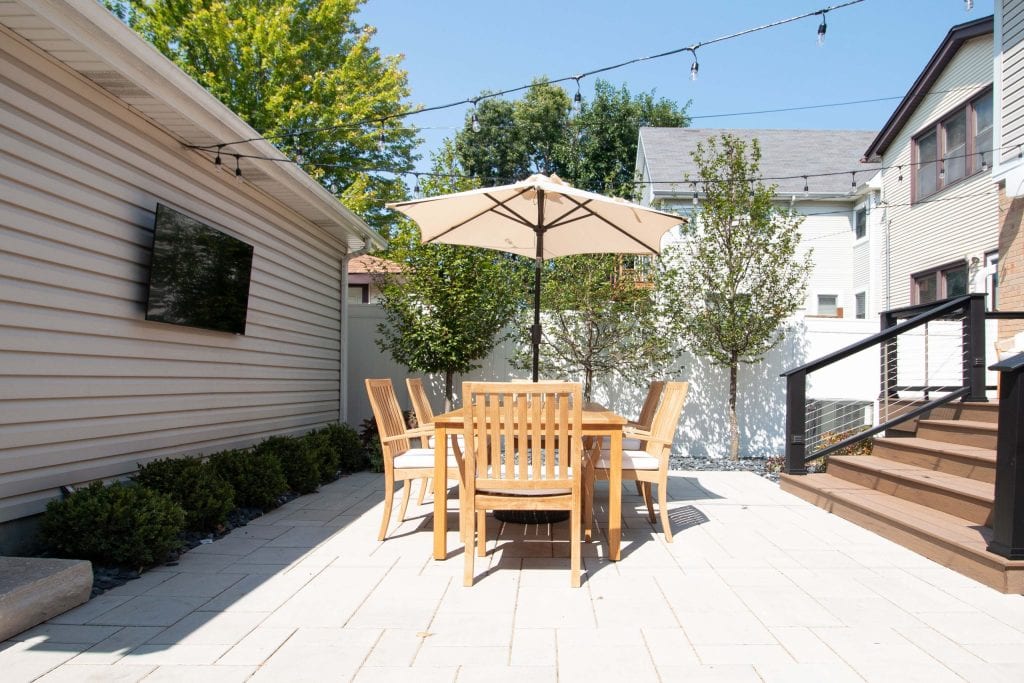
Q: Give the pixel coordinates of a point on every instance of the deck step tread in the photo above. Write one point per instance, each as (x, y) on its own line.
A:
(964, 425)
(939, 447)
(918, 475)
(968, 537)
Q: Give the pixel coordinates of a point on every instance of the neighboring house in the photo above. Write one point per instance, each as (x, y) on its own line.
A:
(941, 214)
(841, 218)
(95, 129)
(361, 270)
(1008, 166)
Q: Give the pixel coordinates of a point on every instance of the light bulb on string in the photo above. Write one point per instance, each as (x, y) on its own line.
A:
(416, 186)
(577, 99)
(238, 169)
(805, 186)
(968, 5)
(984, 162)
(822, 28)
(853, 180)
(695, 66)
(381, 141)
(217, 162)
(900, 171)
(942, 169)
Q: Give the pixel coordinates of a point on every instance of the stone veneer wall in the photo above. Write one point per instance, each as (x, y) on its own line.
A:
(1011, 261)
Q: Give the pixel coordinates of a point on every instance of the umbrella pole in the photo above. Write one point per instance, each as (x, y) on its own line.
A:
(538, 264)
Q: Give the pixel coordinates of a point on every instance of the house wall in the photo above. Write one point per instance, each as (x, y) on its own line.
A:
(827, 229)
(964, 214)
(1011, 261)
(1011, 65)
(88, 388)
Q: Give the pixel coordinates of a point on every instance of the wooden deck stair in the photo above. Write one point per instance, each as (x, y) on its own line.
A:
(930, 490)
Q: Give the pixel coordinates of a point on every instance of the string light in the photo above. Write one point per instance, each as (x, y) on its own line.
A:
(822, 28)
(416, 187)
(968, 5)
(853, 179)
(900, 178)
(381, 141)
(238, 169)
(507, 91)
(577, 100)
(942, 169)
(217, 162)
(474, 121)
(805, 185)
(695, 67)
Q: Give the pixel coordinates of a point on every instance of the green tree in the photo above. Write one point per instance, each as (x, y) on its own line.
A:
(599, 322)
(596, 324)
(448, 307)
(303, 73)
(730, 283)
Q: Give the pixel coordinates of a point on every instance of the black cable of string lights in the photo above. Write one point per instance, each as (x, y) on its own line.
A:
(475, 100)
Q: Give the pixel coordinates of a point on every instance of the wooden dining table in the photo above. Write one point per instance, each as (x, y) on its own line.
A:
(598, 421)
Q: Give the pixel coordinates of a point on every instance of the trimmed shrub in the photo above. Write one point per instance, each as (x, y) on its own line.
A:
(299, 464)
(195, 486)
(318, 443)
(349, 447)
(370, 436)
(121, 524)
(256, 477)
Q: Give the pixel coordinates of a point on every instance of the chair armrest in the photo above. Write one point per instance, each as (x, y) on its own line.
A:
(636, 433)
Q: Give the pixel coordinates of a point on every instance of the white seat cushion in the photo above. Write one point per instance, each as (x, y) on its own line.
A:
(630, 443)
(631, 460)
(458, 437)
(420, 457)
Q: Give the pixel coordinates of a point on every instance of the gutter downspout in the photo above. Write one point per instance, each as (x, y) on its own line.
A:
(343, 333)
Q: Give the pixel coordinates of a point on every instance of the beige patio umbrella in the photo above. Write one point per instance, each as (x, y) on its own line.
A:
(542, 217)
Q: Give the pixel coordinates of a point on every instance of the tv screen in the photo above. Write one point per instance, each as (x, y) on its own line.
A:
(199, 276)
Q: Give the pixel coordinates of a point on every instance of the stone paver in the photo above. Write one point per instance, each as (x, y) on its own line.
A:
(758, 586)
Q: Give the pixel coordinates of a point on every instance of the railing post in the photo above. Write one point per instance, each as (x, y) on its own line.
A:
(796, 423)
(974, 353)
(1008, 513)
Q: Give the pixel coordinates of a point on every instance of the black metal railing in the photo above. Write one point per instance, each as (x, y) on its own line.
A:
(1008, 511)
(934, 356)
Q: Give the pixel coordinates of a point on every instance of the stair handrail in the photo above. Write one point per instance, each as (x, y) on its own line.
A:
(796, 458)
(929, 315)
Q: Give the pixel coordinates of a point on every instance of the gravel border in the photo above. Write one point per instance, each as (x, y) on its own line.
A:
(763, 467)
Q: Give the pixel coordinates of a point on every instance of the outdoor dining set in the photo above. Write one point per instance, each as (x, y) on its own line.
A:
(525, 446)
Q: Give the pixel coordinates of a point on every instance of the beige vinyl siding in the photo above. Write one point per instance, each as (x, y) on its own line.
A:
(88, 387)
(956, 222)
(1012, 65)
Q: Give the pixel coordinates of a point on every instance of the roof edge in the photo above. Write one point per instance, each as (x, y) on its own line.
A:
(957, 36)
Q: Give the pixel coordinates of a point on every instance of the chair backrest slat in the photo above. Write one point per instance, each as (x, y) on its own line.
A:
(388, 415)
(420, 403)
(519, 434)
(666, 418)
(654, 391)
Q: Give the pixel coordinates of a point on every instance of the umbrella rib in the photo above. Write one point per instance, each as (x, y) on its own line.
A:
(607, 222)
(497, 205)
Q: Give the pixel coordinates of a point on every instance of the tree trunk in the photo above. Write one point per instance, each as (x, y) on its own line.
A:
(734, 428)
(448, 403)
(588, 383)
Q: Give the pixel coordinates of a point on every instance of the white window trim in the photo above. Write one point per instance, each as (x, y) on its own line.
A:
(856, 293)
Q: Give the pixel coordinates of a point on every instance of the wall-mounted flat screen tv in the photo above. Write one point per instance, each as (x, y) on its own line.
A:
(199, 276)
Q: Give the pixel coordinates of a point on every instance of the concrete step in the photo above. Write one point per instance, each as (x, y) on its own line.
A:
(964, 432)
(939, 456)
(949, 540)
(965, 498)
(34, 589)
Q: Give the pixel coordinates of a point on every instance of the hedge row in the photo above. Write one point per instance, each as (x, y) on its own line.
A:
(136, 524)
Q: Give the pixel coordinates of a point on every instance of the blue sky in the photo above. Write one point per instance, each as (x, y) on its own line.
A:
(454, 49)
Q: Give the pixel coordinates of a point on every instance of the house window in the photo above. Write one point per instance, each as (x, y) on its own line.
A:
(940, 283)
(954, 148)
(828, 305)
(860, 224)
(358, 294)
(861, 304)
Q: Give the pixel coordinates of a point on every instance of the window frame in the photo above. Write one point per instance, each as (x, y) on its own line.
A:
(860, 305)
(972, 164)
(941, 290)
(364, 293)
(857, 213)
(837, 309)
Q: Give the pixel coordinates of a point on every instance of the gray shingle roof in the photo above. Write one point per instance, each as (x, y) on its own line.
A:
(783, 153)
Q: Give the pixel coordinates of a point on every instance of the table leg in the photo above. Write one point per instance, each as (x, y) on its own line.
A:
(615, 497)
(440, 493)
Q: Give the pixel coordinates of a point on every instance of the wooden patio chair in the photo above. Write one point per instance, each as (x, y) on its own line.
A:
(647, 465)
(402, 462)
(643, 422)
(424, 413)
(515, 439)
